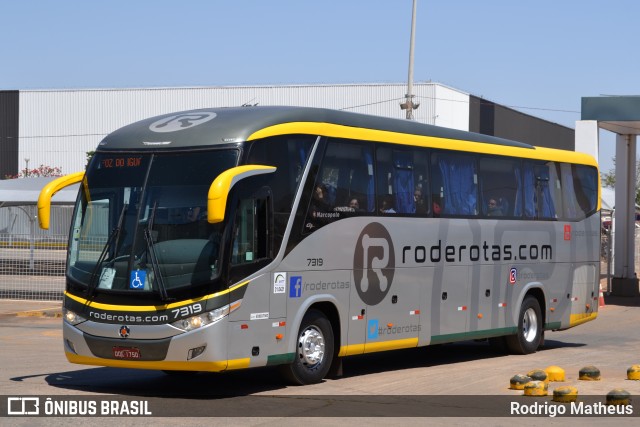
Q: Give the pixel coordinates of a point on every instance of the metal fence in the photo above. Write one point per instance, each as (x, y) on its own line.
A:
(607, 253)
(32, 260)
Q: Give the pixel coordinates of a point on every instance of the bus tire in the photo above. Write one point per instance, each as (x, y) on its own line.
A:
(530, 329)
(314, 350)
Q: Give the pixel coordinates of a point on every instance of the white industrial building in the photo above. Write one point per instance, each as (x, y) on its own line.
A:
(58, 127)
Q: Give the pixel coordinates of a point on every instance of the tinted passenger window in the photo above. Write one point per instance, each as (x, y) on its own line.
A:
(542, 190)
(344, 186)
(585, 184)
(499, 187)
(402, 180)
(289, 154)
(454, 186)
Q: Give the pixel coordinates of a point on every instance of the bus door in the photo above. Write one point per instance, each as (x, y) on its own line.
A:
(488, 297)
(394, 322)
(451, 297)
(385, 297)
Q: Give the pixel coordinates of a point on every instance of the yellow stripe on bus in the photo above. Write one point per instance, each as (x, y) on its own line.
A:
(113, 307)
(580, 318)
(216, 366)
(341, 131)
(351, 350)
(372, 347)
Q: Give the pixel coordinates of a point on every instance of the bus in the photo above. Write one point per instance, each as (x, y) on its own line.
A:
(231, 238)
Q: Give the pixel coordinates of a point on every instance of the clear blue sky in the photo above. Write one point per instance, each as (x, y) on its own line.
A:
(539, 56)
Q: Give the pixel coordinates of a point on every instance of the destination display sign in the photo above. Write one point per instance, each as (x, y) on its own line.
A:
(121, 162)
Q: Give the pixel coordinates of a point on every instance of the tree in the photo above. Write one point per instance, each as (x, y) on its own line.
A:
(609, 179)
(89, 155)
(40, 171)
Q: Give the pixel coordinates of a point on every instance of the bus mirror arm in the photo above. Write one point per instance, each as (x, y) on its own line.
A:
(47, 192)
(221, 186)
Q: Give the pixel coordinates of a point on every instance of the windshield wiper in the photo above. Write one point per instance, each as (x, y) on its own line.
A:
(162, 289)
(114, 236)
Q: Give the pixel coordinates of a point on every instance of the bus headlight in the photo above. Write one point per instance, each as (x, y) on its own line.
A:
(72, 317)
(218, 314)
(200, 320)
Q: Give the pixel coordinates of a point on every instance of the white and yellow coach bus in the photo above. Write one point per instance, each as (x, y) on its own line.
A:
(232, 238)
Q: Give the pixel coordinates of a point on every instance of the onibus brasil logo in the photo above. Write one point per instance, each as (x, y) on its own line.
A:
(373, 263)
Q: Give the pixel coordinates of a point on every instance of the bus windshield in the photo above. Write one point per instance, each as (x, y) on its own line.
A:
(141, 227)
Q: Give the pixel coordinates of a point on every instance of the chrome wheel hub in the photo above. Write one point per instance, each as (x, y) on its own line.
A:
(530, 325)
(311, 346)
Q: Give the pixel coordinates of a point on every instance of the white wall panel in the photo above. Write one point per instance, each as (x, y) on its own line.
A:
(58, 127)
(452, 108)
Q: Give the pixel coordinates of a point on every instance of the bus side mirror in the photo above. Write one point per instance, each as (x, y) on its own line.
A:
(221, 186)
(47, 192)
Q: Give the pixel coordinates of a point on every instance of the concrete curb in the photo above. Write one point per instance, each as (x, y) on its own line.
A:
(52, 313)
(27, 308)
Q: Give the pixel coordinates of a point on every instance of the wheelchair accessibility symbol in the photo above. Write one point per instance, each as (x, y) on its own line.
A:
(137, 279)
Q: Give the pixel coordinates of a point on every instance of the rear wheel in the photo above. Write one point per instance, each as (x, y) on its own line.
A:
(530, 329)
(314, 350)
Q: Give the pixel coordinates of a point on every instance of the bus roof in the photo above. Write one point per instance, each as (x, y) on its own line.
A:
(214, 126)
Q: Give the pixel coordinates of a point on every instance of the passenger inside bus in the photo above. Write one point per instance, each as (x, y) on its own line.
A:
(320, 210)
(386, 204)
(421, 205)
(494, 207)
(350, 207)
(436, 205)
(320, 202)
(193, 214)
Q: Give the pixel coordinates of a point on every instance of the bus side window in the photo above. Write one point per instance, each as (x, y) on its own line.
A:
(289, 154)
(344, 184)
(555, 185)
(251, 232)
(422, 186)
(569, 199)
(455, 182)
(585, 183)
(579, 191)
(499, 186)
(542, 190)
(402, 180)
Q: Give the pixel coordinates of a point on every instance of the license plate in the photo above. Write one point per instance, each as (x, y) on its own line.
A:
(126, 353)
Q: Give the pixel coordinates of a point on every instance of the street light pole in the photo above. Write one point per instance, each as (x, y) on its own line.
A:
(409, 105)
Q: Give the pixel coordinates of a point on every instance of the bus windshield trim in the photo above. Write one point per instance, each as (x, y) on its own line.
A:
(49, 190)
(219, 190)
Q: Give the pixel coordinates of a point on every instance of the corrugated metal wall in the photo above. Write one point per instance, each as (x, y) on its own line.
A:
(58, 128)
(489, 118)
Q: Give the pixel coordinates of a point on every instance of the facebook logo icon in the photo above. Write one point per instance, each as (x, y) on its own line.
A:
(295, 286)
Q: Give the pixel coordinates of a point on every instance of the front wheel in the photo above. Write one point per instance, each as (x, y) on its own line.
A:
(530, 329)
(314, 350)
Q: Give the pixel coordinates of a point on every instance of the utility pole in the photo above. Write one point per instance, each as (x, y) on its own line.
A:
(409, 105)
